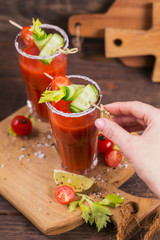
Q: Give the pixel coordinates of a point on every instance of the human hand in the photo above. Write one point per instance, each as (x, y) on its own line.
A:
(142, 151)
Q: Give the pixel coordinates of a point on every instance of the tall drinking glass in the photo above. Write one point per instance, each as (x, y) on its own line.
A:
(75, 133)
(33, 69)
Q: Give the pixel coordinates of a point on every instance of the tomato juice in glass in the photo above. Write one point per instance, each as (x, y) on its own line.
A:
(33, 69)
(75, 133)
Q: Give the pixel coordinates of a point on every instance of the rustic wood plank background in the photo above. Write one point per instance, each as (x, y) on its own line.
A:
(119, 83)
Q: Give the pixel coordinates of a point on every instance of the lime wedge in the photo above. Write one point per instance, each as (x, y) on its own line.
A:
(79, 183)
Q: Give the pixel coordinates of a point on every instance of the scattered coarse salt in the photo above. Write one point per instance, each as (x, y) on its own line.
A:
(41, 155)
(28, 160)
(46, 145)
(39, 144)
(2, 165)
(123, 165)
(21, 157)
(22, 148)
(49, 136)
(126, 165)
(39, 209)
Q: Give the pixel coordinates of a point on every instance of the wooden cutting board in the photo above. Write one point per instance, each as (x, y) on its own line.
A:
(129, 14)
(127, 42)
(26, 165)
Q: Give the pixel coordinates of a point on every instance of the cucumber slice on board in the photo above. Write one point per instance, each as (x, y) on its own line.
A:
(51, 47)
(85, 98)
(41, 43)
(72, 91)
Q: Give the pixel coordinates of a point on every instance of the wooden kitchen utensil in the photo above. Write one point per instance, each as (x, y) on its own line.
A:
(124, 42)
(26, 165)
(122, 14)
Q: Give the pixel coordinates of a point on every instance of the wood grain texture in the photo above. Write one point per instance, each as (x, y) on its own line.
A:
(136, 42)
(121, 14)
(26, 181)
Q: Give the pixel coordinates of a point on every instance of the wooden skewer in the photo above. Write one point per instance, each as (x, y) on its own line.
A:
(49, 76)
(15, 24)
(64, 51)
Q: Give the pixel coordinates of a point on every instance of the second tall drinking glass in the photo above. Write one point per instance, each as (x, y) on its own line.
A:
(33, 69)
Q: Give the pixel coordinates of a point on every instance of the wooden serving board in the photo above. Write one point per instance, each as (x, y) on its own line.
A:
(26, 165)
(127, 14)
(136, 42)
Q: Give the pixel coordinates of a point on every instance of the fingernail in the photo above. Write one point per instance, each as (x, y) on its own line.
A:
(100, 123)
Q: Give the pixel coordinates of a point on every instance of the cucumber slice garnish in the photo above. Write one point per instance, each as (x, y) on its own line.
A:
(74, 109)
(72, 91)
(84, 100)
(40, 43)
(55, 42)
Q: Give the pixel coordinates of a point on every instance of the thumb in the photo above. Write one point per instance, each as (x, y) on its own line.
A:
(114, 132)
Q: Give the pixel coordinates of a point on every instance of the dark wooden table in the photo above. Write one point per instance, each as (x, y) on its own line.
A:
(118, 83)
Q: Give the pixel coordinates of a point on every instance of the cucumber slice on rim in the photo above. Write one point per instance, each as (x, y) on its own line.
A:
(55, 42)
(85, 98)
(72, 91)
(40, 43)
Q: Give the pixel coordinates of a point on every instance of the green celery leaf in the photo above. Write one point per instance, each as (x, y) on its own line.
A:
(72, 206)
(91, 219)
(112, 200)
(38, 32)
(101, 215)
(53, 96)
(85, 212)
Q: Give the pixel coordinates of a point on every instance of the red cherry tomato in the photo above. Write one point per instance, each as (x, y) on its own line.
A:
(113, 157)
(27, 36)
(64, 194)
(104, 144)
(62, 106)
(59, 81)
(21, 125)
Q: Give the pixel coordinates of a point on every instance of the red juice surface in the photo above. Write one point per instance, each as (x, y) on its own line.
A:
(76, 139)
(35, 81)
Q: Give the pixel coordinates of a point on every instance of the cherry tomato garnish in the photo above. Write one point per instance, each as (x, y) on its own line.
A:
(59, 81)
(62, 106)
(27, 36)
(21, 125)
(113, 157)
(104, 144)
(64, 194)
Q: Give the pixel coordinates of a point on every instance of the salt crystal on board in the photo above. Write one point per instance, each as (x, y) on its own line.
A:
(21, 157)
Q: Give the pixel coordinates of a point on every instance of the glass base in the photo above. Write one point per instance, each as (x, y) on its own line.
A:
(34, 114)
(84, 171)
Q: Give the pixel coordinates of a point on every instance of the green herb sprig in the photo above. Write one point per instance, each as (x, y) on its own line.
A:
(96, 212)
(53, 96)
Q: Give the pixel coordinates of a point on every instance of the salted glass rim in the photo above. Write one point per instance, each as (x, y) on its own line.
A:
(90, 110)
(47, 26)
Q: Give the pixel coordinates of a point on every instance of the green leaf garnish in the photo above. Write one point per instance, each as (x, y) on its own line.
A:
(97, 212)
(38, 32)
(10, 130)
(53, 96)
(112, 200)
